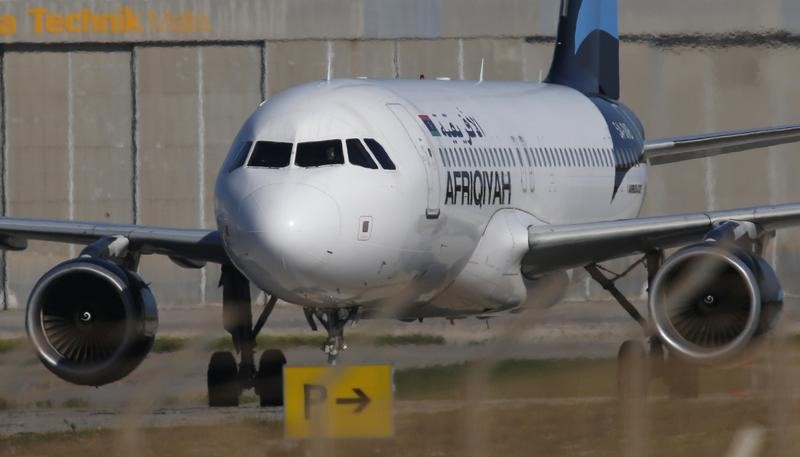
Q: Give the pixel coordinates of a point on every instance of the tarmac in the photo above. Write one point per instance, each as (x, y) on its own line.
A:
(169, 388)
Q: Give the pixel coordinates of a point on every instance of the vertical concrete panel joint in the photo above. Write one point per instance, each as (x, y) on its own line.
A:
(3, 172)
(134, 136)
(396, 60)
(70, 144)
(461, 59)
(201, 160)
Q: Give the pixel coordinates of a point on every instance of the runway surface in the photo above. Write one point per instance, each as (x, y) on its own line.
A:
(169, 389)
(63, 420)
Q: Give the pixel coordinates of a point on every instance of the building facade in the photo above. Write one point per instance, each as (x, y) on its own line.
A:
(123, 112)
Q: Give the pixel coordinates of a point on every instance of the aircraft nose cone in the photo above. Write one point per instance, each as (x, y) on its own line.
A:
(295, 228)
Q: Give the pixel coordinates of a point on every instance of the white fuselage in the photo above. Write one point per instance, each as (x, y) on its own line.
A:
(444, 233)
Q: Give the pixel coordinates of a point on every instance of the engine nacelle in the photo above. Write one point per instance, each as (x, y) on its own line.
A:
(91, 321)
(711, 305)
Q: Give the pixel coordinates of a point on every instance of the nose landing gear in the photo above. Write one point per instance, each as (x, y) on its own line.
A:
(334, 321)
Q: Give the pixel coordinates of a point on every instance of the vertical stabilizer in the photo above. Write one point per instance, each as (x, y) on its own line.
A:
(587, 49)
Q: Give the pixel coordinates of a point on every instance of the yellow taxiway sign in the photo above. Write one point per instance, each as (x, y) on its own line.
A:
(339, 401)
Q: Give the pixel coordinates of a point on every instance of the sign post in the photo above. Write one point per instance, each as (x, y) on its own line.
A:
(339, 401)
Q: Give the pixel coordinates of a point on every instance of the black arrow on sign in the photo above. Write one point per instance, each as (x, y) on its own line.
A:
(362, 400)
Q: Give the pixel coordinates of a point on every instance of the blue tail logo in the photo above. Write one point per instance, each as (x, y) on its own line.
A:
(587, 51)
(596, 15)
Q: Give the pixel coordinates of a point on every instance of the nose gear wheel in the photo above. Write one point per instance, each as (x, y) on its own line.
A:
(334, 320)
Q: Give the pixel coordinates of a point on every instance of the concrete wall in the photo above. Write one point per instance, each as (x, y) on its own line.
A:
(132, 126)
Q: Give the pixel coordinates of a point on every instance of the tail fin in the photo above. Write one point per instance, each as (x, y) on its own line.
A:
(587, 49)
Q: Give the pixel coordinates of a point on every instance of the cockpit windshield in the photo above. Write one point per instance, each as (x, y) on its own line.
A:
(380, 154)
(238, 155)
(365, 153)
(271, 154)
(319, 154)
(359, 155)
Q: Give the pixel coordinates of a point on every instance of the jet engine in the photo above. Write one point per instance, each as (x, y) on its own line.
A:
(91, 321)
(711, 303)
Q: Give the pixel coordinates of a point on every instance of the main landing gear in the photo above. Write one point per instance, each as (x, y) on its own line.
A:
(638, 363)
(227, 379)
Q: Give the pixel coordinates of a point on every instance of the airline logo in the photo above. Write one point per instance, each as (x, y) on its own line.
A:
(431, 126)
(478, 188)
(459, 128)
(596, 15)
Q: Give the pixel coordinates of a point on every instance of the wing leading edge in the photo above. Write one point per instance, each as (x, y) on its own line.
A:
(678, 149)
(200, 245)
(558, 247)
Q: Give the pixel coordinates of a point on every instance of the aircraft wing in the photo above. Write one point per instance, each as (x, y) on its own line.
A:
(671, 150)
(558, 247)
(197, 245)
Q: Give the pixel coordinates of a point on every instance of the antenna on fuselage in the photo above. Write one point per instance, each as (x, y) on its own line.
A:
(480, 79)
(329, 73)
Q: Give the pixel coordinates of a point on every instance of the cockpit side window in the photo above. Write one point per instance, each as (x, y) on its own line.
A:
(358, 154)
(319, 154)
(238, 156)
(380, 154)
(271, 154)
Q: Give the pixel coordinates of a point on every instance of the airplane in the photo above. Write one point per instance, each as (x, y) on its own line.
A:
(417, 199)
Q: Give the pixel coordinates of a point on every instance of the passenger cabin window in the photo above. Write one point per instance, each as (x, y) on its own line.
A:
(358, 155)
(239, 155)
(380, 154)
(271, 154)
(319, 154)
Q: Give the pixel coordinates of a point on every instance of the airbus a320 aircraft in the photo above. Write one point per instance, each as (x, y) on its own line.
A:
(422, 199)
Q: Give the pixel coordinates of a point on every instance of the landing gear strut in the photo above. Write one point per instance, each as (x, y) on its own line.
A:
(227, 379)
(334, 321)
(636, 363)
